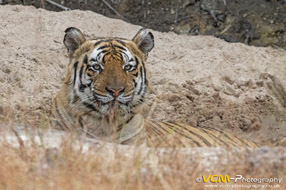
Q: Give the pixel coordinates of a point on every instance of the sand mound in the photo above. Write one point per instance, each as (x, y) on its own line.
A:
(200, 80)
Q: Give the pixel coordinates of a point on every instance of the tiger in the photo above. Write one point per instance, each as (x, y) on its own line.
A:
(106, 84)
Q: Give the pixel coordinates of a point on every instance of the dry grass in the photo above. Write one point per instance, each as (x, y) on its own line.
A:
(65, 168)
(83, 164)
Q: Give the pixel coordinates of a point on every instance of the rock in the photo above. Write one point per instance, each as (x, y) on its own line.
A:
(228, 79)
(172, 11)
(190, 86)
(216, 119)
(251, 84)
(174, 98)
(221, 17)
(183, 28)
(215, 5)
(245, 124)
(241, 81)
(195, 91)
(6, 70)
(260, 83)
(187, 3)
(216, 86)
(248, 125)
(229, 90)
(216, 96)
(191, 98)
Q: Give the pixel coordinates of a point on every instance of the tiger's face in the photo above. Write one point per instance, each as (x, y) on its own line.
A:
(108, 74)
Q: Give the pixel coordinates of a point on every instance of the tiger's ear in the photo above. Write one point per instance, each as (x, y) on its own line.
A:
(144, 40)
(73, 39)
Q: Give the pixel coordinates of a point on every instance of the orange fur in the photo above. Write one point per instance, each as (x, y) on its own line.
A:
(106, 81)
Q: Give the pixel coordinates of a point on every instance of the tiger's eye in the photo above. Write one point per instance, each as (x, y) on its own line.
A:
(96, 67)
(127, 67)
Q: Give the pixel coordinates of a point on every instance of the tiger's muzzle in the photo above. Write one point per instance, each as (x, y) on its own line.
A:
(114, 98)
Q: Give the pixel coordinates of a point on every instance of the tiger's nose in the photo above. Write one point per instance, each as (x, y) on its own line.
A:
(114, 91)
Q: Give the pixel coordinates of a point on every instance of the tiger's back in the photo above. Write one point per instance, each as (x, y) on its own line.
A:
(165, 134)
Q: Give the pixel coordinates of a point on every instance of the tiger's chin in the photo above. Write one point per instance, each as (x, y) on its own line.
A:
(114, 108)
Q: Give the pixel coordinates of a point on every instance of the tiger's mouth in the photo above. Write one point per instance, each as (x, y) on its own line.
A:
(108, 103)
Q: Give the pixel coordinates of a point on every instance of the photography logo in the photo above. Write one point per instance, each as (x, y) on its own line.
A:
(237, 178)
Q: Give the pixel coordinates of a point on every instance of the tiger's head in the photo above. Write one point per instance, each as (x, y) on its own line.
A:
(108, 74)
